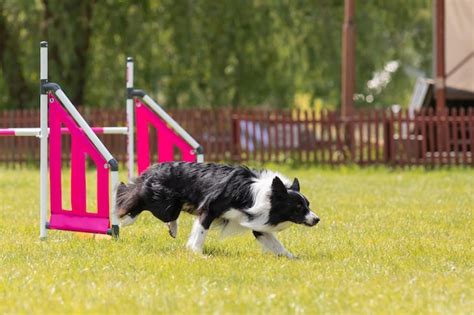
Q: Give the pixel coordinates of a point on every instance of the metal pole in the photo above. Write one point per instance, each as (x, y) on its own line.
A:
(348, 73)
(130, 119)
(44, 139)
(348, 59)
(440, 82)
(114, 221)
(440, 57)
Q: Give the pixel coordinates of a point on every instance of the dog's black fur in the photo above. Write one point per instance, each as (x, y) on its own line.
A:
(210, 191)
(164, 188)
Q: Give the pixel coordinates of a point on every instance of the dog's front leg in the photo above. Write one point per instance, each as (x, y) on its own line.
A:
(198, 235)
(173, 228)
(271, 244)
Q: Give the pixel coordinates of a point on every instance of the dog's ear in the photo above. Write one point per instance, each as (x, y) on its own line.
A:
(296, 185)
(278, 186)
(121, 188)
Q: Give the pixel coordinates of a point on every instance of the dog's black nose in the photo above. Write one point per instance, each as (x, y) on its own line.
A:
(311, 220)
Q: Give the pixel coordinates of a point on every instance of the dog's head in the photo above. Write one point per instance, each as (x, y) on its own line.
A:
(289, 204)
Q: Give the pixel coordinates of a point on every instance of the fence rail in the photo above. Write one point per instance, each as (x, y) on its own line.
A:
(367, 138)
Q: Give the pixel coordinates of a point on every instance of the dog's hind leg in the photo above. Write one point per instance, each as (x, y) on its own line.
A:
(203, 222)
(173, 228)
(271, 244)
(128, 220)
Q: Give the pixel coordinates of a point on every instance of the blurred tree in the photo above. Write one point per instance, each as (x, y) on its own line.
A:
(392, 31)
(209, 53)
(18, 90)
(67, 26)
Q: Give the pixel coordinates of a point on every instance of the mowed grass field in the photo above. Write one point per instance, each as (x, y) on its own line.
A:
(388, 242)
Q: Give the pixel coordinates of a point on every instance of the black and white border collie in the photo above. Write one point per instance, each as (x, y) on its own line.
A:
(233, 198)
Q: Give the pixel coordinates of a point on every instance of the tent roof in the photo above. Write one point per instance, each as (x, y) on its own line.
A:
(459, 47)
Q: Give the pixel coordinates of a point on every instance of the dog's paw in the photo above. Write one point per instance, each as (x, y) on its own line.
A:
(173, 228)
(127, 220)
(290, 255)
(172, 233)
(194, 249)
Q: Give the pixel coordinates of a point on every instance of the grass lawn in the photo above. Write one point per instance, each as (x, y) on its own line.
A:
(388, 242)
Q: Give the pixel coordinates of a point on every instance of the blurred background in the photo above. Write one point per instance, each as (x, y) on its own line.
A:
(214, 53)
(327, 81)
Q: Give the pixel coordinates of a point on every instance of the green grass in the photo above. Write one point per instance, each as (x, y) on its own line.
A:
(389, 242)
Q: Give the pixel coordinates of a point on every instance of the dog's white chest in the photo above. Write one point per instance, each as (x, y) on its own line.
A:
(234, 225)
(281, 226)
(234, 215)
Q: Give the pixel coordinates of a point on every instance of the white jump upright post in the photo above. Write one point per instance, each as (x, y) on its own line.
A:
(44, 140)
(130, 119)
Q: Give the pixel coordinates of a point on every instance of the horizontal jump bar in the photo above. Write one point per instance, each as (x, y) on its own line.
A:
(33, 132)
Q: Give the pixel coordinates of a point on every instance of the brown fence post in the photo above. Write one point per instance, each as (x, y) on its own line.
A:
(424, 133)
(268, 120)
(387, 137)
(376, 136)
(323, 141)
(314, 141)
(298, 141)
(454, 135)
(307, 136)
(236, 145)
(470, 119)
(330, 139)
(464, 138)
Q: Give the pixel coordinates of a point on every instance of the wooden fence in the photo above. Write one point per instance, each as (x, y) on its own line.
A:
(367, 138)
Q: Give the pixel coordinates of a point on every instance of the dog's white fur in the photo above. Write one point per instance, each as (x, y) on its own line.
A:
(198, 235)
(271, 244)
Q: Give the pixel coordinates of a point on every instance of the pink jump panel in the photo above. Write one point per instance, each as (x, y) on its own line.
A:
(166, 137)
(77, 218)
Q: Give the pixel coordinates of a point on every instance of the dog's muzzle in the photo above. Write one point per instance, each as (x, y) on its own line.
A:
(311, 219)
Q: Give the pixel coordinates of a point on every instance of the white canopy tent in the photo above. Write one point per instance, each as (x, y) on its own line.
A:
(458, 60)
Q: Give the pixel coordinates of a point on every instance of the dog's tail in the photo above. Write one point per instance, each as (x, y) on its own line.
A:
(128, 198)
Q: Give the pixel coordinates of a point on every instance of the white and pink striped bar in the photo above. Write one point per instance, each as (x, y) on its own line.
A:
(34, 132)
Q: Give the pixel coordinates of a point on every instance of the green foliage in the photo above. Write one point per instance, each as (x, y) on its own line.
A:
(389, 242)
(207, 53)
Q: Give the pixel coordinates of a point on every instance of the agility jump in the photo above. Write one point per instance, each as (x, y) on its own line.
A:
(170, 134)
(59, 116)
(56, 111)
